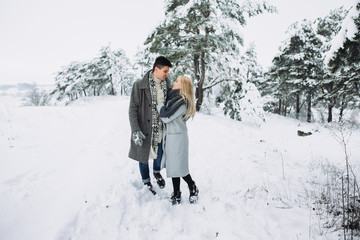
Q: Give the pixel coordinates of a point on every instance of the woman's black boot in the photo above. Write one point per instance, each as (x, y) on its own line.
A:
(194, 191)
(175, 198)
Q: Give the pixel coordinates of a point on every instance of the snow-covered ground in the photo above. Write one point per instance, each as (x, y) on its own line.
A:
(65, 174)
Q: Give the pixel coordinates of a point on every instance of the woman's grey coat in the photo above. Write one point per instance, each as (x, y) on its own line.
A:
(140, 117)
(175, 144)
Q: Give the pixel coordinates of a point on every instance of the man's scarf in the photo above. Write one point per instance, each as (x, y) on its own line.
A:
(156, 126)
(173, 103)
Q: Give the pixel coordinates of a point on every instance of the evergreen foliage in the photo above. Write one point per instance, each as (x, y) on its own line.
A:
(202, 38)
(108, 74)
(343, 60)
(241, 97)
(298, 68)
(298, 75)
(327, 28)
(143, 62)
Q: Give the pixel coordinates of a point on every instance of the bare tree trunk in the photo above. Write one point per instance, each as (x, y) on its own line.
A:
(353, 212)
(284, 107)
(197, 75)
(200, 90)
(341, 112)
(197, 68)
(297, 106)
(348, 187)
(280, 107)
(342, 108)
(309, 107)
(331, 104)
(112, 91)
(343, 105)
(343, 204)
(330, 107)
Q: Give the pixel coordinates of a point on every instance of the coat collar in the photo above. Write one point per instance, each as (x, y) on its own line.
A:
(144, 83)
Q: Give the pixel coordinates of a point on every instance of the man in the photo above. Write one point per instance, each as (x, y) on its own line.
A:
(146, 126)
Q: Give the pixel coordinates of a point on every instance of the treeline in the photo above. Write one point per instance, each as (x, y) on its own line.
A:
(203, 40)
(318, 65)
(110, 73)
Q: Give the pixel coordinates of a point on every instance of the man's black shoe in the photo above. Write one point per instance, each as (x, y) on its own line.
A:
(159, 180)
(150, 187)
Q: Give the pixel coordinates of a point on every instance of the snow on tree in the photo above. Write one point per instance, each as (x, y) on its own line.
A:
(143, 62)
(242, 102)
(349, 32)
(36, 97)
(69, 82)
(109, 73)
(298, 68)
(253, 70)
(241, 98)
(120, 71)
(202, 38)
(251, 109)
(327, 28)
(343, 59)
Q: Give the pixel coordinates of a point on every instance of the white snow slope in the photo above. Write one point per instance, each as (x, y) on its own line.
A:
(65, 174)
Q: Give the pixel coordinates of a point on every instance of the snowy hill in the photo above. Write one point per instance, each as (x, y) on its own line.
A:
(65, 174)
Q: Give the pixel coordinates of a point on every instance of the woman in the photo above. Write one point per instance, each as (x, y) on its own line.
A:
(178, 109)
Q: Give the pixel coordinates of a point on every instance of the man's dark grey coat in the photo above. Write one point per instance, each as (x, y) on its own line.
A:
(140, 117)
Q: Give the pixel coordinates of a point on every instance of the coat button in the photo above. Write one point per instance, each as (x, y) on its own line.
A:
(148, 120)
(149, 105)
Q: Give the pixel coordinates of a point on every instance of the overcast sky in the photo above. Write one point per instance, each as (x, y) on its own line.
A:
(38, 37)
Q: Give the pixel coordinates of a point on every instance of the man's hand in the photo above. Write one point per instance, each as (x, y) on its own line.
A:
(138, 137)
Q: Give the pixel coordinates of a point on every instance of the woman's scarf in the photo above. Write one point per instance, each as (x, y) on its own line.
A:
(173, 103)
(156, 126)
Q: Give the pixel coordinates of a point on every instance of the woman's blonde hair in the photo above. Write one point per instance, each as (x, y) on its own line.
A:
(187, 92)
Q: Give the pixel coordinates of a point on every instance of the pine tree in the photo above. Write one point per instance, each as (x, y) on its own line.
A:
(143, 62)
(108, 73)
(202, 37)
(254, 72)
(121, 72)
(102, 72)
(343, 60)
(242, 102)
(241, 97)
(327, 28)
(298, 68)
(68, 81)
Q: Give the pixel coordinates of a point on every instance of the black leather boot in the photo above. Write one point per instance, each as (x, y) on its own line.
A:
(150, 187)
(194, 191)
(159, 180)
(175, 198)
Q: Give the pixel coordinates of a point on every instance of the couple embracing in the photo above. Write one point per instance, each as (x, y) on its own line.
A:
(158, 115)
